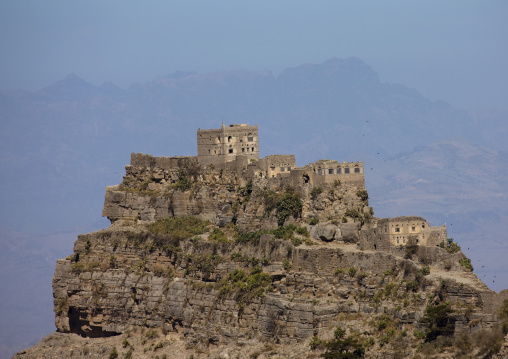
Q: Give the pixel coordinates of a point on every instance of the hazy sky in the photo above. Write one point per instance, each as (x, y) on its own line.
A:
(453, 50)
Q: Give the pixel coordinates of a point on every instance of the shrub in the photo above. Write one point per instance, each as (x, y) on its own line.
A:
(316, 191)
(352, 271)
(77, 268)
(352, 213)
(412, 285)
(151, 334)
(362, 193)
(270, 199)
(466, 263)
(314, 221)
(450, 246)
(296, 241)
(438, 320)
(183, 183)
(388, 288)
(245, 287)
(247, 237)
(302, 231)
(62, 306)
(338, 272)
(314, 343)
(289, 205)
(424, 271)
(343, 347)
(218, 236)
(113, 354)
(411, 246)
(286, 264)
(88, 246)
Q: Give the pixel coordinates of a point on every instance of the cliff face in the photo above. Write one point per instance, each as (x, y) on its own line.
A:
(216, 262)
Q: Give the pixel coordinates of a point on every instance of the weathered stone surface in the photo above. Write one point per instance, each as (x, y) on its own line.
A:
(123, 281)
(325, 232)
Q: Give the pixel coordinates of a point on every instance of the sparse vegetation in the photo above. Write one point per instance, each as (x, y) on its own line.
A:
(314, 221)
(450, 246)
(113, 354)
(438, 320)
(289, 205)
(343, 347)
(352, 271)
(316, 191)
(466, 263)
(245, 287)
(218, 236)
(183, 183)
(179, 228)
(362, 193)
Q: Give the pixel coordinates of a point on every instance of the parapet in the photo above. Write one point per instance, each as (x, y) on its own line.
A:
(165, 163)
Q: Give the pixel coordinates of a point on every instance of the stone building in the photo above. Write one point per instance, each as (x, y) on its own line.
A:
(401, 229)
(223, 145)
(384, 233)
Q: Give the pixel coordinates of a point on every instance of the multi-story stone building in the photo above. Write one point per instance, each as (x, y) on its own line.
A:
(223, 145)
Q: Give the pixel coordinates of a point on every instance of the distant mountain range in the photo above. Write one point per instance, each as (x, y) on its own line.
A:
(63, 145)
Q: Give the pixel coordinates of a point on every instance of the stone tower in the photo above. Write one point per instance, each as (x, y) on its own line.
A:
(224, 144)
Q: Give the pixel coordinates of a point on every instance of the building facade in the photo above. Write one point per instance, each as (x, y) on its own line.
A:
(217, 146)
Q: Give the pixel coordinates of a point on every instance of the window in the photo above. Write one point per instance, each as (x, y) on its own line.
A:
(423, 225)
(346, 170)
(243, 149)
(250, 139)
(403, 241)
(319, 171)
(282, 169)
(289, 168)
(252, 149)
(229, 138)
(330, 171)
(230, 150)
(339, 171)
(357, 170)
(413, 228)
(397, 229)
(397, 241)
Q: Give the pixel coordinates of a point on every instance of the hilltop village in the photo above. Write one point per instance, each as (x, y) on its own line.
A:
(229, 255)
(234, 149)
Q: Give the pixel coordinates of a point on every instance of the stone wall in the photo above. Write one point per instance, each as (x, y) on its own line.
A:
(164, 163)
(279, 164)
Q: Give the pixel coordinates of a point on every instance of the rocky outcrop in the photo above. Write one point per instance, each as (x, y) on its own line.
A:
(209, 260)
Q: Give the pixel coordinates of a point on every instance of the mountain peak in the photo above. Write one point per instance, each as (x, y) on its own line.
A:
(71, 84)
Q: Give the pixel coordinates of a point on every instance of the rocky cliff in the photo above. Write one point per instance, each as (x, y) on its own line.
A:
(221, 262)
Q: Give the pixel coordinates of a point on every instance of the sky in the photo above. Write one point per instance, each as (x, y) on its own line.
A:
(451, 50)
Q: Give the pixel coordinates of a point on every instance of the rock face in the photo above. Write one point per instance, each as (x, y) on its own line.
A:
(220, 259)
